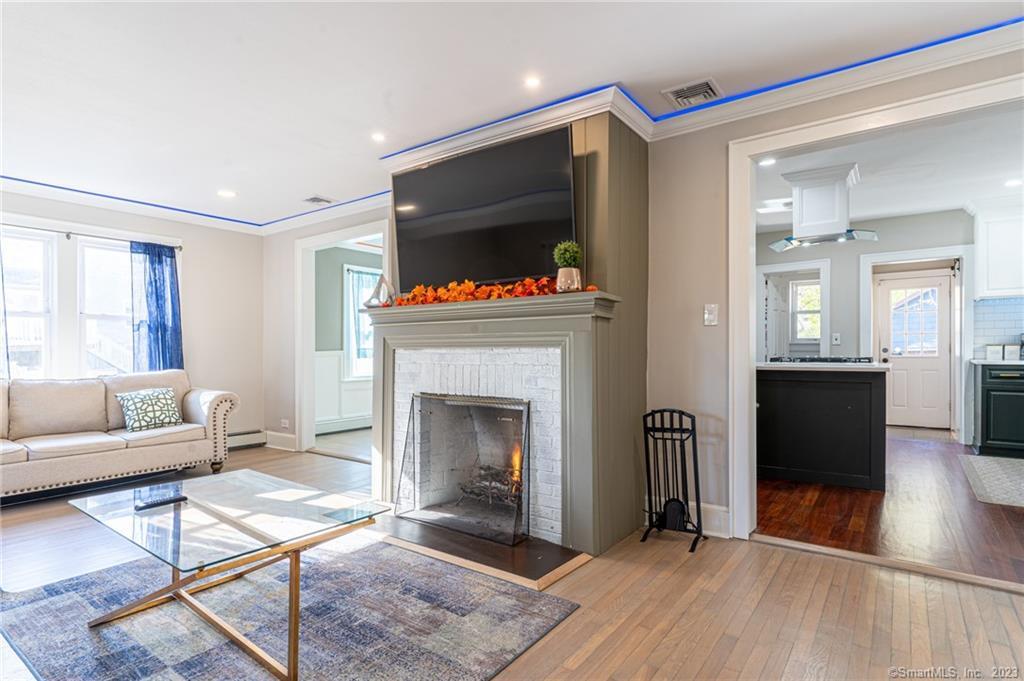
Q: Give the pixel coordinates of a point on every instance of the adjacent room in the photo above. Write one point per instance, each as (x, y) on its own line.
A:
(897, 304)
(516, 341)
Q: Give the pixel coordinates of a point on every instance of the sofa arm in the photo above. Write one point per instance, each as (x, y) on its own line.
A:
(210, 408)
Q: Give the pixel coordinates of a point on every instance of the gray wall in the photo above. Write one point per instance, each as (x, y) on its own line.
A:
(929, 230)
(687, 361)
(330, 292)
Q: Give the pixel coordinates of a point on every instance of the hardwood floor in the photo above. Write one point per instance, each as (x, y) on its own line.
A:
(37, 537)
(928, 513)
(742, 610)
(356, 445)
(732, 610)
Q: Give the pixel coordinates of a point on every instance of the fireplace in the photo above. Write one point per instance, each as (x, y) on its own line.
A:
(465, 465)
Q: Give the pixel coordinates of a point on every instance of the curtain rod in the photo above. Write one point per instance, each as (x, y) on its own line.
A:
(68, 233)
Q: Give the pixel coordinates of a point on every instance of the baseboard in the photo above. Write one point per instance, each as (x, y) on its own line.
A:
(338, 425)
(284, 441)
(255, 438)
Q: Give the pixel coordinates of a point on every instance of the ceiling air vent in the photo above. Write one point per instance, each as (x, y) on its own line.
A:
(683, 96)
(318, 200)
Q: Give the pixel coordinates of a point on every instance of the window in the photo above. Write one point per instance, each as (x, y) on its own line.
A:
(28, 295)
(805, 310)
(359, 285)
(105, 307)
(914, 320)
(68, 302)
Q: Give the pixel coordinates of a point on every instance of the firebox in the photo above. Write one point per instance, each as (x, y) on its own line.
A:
(466, 465)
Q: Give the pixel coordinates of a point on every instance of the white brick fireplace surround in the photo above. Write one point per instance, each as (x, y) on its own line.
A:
(526, 373)
(547, 350)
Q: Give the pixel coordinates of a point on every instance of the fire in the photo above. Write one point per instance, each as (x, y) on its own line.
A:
(517, 463)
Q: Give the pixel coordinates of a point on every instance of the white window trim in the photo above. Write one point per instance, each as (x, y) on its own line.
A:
(83, 316)
(348, 330)
(794, 313)
(64, 353)
(49, 315)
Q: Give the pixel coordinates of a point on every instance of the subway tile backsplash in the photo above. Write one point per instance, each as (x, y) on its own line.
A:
(997, 321)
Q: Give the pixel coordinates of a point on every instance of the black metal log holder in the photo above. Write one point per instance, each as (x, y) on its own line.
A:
(666, 432)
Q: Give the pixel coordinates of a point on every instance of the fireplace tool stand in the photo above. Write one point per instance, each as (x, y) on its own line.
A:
(666, 432)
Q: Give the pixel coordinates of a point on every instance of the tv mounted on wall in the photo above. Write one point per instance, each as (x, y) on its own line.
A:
(490, 215)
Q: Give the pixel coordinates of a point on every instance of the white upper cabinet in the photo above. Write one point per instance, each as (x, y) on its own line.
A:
(999, 248)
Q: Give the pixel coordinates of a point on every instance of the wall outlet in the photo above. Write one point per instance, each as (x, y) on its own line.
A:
(835, 339)
(285, 424)
(710, 314)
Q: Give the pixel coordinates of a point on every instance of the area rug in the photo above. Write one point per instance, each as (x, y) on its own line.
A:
(995, 479)
(374, 611)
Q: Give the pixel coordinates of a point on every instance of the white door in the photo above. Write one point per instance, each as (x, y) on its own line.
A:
(913, 336)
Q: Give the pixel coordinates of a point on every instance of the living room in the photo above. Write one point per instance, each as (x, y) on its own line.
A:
(439, 363)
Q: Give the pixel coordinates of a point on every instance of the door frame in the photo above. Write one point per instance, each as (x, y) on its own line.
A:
(824, 270)
(305, 319)
(961, 313)
(743, 154)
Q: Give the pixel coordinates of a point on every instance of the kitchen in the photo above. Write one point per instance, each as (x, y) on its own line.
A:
(890, 333)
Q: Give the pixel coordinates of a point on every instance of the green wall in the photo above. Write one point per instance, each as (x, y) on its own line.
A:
(330, 292)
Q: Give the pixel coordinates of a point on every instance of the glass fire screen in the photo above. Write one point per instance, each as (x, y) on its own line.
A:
(465, 465)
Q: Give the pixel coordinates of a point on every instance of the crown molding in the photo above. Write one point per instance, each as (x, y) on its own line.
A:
(965, 50)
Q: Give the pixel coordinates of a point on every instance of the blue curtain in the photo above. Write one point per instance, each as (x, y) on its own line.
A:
(156, 313)
(5, 362)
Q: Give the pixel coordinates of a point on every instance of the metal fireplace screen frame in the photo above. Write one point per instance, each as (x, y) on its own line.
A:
(470, 494)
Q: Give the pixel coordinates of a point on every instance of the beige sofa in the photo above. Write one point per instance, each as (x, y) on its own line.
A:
(59, 433)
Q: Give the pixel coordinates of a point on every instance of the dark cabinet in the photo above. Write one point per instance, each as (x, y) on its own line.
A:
(1002, 410)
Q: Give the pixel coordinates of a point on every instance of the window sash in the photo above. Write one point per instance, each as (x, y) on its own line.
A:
(797, 313)
(47, 310)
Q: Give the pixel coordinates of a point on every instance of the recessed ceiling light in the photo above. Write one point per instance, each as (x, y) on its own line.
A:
(841, 239)
(405, 208)
(805, 244)
(1014, 183)
(378, 137)
(226, 193)
(532, 82)
(765, 162)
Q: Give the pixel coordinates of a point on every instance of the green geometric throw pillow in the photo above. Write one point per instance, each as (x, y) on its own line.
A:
(148, 409)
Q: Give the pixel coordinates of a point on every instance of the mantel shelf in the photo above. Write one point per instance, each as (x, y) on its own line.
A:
(584, 304)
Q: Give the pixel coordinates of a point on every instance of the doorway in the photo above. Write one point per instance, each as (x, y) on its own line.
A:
(346, 274)
(914, 333)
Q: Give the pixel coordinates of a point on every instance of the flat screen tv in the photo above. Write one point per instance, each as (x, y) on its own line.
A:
(491, 215)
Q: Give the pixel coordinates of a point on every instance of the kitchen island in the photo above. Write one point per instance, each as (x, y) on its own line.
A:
(822, 422)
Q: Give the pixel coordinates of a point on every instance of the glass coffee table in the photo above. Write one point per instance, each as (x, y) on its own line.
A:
(231, 524)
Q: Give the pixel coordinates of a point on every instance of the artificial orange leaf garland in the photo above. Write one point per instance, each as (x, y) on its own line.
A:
(468, 291)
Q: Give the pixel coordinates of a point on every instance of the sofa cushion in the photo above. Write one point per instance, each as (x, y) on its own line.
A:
(44, 407)
(184, 432)
(3, 408)
(12, 452)
(150, 408)
(176, 379)
(69, 444)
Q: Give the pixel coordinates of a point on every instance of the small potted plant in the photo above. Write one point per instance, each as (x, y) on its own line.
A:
(567, 257)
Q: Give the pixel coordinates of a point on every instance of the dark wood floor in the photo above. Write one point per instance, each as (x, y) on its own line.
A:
(928, 514)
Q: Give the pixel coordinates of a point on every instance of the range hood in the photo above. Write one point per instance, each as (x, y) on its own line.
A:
(821, 208)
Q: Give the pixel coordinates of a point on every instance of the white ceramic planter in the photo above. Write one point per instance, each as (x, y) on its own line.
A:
(569, 279)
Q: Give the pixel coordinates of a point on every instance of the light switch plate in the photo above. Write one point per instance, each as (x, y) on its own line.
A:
(710, 314)
(835, 339)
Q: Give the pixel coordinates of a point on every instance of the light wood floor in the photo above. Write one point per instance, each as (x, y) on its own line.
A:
(742, 610)
(733, 610)
(349, 444)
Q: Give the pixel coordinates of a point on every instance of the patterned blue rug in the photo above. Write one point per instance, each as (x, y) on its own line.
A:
(369, 611)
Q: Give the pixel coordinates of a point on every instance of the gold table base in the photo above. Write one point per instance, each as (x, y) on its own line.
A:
(182, 590)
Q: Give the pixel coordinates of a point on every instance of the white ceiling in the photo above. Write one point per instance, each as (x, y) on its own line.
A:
(168, 103)
(960, 161)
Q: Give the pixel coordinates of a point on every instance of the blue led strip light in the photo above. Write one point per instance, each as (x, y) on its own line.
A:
(136, 202)
(518, 114)
(568, 98)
